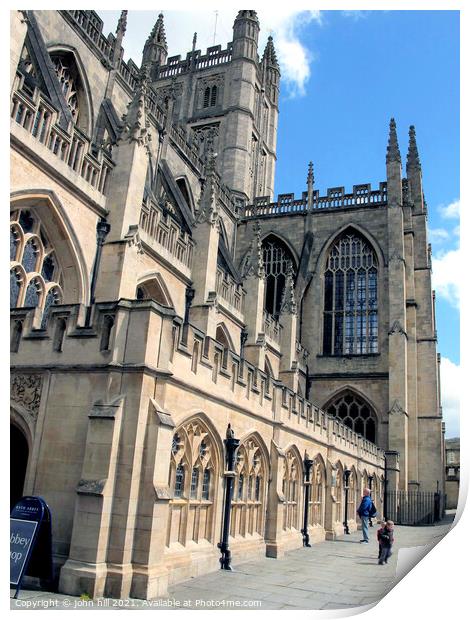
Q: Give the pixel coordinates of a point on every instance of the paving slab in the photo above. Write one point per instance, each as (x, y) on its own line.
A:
(333, 574)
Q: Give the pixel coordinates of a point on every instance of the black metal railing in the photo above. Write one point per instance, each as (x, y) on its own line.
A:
(413, 507)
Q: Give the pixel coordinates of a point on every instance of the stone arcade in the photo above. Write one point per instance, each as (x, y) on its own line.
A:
(159, 293)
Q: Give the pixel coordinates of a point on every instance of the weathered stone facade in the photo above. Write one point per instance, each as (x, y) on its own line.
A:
(158, 294)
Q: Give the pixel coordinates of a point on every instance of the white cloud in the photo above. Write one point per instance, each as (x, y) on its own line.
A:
(450, 211)
(285, 24)
(450, 396)
(446, 276)
(294, 57)
(437, 235)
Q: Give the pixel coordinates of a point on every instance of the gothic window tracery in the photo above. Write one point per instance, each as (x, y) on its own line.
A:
(193, 473)
(35, 276)
(277, 261)
(248, 504)
(67, 76)
(317, 494)
(350, 319)
(291, 486)
(355, 413)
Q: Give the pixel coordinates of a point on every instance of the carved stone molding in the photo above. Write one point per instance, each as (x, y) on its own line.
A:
(397, 329)
(397, 409)
(26, 391)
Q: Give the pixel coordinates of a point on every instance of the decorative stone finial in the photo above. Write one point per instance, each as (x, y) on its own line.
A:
(135, 123)
(288, 302)
(393, 152)
(254, 264)
(412, 160)
(122, 24)
(269, 55)
(208, 211)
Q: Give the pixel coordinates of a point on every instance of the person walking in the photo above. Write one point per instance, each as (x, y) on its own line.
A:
(364, 511)
(385, 536)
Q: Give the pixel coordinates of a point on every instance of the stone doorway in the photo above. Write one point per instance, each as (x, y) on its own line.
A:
(19, 453)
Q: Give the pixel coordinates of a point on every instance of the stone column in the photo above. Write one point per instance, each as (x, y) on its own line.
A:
(150, 576)
(288, 318)
(203, 311)
(254, 285)
(274, 515)
(398, 368)
(85, 570)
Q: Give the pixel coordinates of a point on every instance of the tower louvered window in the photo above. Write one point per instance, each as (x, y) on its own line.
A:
(350, 320)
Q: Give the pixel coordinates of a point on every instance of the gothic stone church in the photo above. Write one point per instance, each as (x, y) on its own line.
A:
(159, 292)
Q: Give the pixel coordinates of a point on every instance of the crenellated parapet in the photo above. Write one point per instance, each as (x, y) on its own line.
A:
(335, 198)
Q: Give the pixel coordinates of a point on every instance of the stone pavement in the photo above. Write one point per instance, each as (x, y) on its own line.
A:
(329, 575)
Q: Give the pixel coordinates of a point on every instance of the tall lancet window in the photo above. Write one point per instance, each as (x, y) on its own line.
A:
(277, 262)
(350, 325)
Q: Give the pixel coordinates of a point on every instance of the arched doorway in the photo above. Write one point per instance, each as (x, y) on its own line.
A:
(19, 453)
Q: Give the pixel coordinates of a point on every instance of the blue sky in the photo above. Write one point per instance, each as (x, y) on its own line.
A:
(344, 74)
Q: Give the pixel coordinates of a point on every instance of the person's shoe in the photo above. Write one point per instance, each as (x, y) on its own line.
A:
(381, 562)
(364, 540)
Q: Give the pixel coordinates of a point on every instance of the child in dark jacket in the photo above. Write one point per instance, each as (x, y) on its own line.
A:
(385, 538)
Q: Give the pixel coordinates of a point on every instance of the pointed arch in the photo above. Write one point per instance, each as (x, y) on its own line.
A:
(279, 261)
(250, 486)
(354, 410)
(86, 118)
(256, 437)
(222, 335)
(349, 275)
(276, 236)
(201, 417)
(153, 286)
(47, 208)
(195, 469)
(354, 228)
(185, 188)
(268, 369)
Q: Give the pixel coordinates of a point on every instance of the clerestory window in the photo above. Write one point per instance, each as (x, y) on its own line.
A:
(350, 319)
(277, 261)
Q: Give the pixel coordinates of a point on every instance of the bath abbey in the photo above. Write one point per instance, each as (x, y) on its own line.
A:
(198, 367)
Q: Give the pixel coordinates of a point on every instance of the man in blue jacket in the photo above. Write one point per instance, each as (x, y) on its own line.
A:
(364, 512)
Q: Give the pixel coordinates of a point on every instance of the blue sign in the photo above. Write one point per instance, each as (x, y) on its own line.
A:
(22, 534)
(30, 541)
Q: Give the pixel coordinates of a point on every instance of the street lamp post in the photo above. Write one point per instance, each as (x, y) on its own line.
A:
(307, 467)
(231, 445)
(370, 480)
(346, 474)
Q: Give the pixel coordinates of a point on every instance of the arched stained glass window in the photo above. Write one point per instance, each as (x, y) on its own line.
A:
(48, 268)
(14, 242)
(15, 287)
(34, 266)
(194, 482)
(32, 297)
(350, 322)
(193, 478)
(179, 481)
(206, 484)
(277, 261)
(30, 256)
(355, 413)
